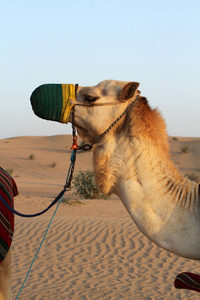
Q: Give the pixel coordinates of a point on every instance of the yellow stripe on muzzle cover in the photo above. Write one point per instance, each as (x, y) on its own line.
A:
(69, 97)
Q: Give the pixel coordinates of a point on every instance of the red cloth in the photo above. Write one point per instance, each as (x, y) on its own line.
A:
(188, 281)
(8, 190)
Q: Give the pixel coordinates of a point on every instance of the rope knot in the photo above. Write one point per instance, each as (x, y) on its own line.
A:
(74, 145)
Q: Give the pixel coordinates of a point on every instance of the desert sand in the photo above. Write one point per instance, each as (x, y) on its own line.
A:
(93, 250)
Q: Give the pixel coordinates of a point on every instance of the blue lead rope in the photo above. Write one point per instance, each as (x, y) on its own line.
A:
(66, 188)
(38, 249)
(58, 198)
(34, 215)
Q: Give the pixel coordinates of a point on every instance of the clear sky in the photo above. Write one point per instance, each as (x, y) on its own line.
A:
(156, 43)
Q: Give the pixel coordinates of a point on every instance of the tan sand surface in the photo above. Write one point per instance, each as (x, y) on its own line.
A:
(93, 250)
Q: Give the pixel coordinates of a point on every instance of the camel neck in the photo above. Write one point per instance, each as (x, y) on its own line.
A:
(139, 171)
(159, 180)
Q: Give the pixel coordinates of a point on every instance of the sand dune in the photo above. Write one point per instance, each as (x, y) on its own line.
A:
(94, 250)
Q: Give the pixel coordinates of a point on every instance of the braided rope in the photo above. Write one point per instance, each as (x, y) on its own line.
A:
(130, 106)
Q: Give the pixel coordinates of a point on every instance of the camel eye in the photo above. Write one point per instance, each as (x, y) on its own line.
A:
(90, 98)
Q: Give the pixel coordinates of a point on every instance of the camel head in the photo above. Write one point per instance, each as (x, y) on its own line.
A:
(96, 107)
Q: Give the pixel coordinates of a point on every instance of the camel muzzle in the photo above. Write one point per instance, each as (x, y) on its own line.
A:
(54, 101)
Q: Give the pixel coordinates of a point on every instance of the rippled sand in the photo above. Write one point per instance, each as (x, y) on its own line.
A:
(93, 250)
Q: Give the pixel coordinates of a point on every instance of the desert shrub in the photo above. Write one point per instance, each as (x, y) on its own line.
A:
(185, 149)
(9, 171)
(85, 186)
(175, 138)
(193, 176)
(31, 156)
(54, 164)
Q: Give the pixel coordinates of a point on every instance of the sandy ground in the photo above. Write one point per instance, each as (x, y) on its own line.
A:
(93, 250)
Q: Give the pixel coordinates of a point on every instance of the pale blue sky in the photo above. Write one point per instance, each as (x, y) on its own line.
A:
(156, 43)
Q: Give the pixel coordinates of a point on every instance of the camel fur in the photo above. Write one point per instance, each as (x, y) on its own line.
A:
(5, 277)
(132, 161)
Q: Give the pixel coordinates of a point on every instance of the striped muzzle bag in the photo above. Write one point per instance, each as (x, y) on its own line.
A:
(54, 101)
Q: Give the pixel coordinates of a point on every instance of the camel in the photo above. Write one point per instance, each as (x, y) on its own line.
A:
(131, 159)
(8, 190)
(5, 277)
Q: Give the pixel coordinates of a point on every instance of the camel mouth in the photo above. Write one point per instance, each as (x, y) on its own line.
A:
(82, 132)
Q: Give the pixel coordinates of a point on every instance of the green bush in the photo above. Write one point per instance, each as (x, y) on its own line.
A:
(54, 164)
(31, 156)
(185, 149)
(174, 139)
(85, 186)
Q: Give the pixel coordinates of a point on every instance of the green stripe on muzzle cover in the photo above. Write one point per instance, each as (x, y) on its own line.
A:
(52, 101)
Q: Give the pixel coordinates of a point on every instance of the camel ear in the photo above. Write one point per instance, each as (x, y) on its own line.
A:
(128, 91)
